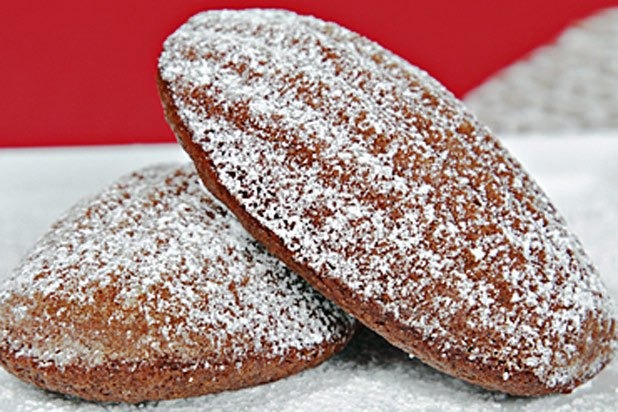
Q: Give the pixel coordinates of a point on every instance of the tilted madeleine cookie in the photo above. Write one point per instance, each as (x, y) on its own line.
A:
(152, 290)
(372, 181)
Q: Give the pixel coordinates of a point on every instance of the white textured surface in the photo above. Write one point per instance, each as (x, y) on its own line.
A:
(579, 173)
(571, 84)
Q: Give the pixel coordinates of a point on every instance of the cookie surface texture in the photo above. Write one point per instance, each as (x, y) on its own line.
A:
(152, 290)
(372, 181)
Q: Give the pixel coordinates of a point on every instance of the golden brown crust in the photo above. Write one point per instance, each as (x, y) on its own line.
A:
(369, 313)
(538, 338)
(150, 290)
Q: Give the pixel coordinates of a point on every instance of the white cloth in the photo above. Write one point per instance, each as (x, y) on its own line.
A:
(569, 85)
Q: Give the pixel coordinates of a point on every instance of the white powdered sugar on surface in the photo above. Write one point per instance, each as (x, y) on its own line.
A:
(373, 174)
(153, 267)
(369, 374)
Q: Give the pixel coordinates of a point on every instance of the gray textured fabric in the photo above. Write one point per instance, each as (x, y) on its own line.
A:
(570, 85)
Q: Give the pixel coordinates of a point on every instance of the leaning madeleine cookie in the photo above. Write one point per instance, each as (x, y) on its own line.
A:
(152, 290)
(372, 181)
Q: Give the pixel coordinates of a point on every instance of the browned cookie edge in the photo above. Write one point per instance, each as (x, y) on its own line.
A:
(162, 379)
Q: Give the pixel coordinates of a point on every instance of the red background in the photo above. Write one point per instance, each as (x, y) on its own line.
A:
(82, 72)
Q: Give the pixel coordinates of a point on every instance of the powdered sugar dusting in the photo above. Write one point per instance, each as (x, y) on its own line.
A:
(154, 268)
(372, 173)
